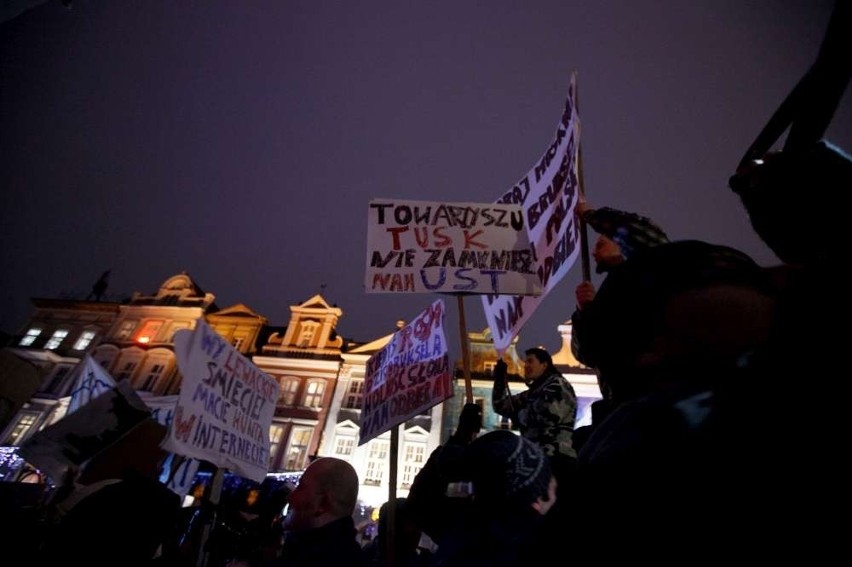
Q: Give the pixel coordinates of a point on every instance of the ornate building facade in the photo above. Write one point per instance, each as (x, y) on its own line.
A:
(321, 374)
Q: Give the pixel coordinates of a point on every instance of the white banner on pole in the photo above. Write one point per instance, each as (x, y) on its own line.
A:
(548, 195)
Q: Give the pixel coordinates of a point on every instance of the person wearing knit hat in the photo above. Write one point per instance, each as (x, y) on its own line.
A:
(514, 491)
(621, 235)
(508, 469)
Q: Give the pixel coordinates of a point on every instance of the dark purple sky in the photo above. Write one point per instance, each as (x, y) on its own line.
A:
(242, 141)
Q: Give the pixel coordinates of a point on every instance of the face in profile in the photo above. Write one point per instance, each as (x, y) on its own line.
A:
(606, 254)
(304, 503)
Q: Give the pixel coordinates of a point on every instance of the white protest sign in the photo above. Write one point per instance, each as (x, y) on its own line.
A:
(428, 247)
(548, 195)
(407, 377)
(225, 406)
(178, 472)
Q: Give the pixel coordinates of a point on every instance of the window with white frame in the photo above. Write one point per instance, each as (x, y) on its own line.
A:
(313, 394)
(377, 462)
(30, 337)
(85, 339)
(153, 375)
(289, 389)
(125, 330)
(344, 446)
(413, 460)
(24, 426)
(306, 333)
(276, 433)
(148, 332)
(297, 452)
(57, 338)
(355, 394)
(126, 370)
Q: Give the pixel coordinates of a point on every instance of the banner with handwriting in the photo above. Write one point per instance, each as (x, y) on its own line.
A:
(225, 405)
(429, 246)
(548, 195)
(407, 377)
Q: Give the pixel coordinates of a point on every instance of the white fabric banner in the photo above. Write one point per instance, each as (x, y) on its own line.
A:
(92, 380)
(225, 406)
(547, 195)
(178, 472)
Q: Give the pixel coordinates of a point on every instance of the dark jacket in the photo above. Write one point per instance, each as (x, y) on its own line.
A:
(332, 544)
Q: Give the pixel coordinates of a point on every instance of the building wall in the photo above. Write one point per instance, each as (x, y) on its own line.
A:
(321, 376)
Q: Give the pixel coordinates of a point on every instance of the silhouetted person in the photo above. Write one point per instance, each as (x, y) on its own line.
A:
(439, 496)
(100, 287)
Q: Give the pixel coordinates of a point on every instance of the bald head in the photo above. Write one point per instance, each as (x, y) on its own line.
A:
(327, 491)
(339, 481)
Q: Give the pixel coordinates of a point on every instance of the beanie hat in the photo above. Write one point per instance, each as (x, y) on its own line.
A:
(631, 232)
(507, 469)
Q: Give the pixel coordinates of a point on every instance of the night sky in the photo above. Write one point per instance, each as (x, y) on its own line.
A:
(242, 141)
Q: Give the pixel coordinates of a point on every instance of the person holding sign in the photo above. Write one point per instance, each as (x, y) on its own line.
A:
(621, 234)
(545, 413)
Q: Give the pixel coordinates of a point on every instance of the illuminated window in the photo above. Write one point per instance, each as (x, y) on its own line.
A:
(26, 423)
(30, 337)
(297, 453)
(307, 332)
(354, 395)
(238, 342)
(489, 366)
(85, 340)
(377, 459)
(125, 329)
(289, 389)
(313, 396)
(344, 446)
(149, 332)
(57, 338)
(276, 433)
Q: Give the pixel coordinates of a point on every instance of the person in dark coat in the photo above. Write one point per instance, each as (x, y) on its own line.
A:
(513, 490)
(438, 495)
(318, 528)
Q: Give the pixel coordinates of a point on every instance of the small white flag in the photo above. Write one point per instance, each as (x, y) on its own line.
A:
(92, 381)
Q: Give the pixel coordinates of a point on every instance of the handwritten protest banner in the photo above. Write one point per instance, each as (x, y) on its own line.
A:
(178, 472)
(547, 194)
(225, 405)
(407, 377)
(427, 247)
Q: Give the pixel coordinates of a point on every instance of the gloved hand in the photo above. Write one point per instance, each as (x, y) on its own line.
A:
(501, 368)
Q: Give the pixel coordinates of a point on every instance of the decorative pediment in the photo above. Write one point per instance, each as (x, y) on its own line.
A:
(347, 426)
(316, 302)
(240, 310)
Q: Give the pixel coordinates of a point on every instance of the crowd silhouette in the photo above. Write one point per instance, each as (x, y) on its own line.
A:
(695, 452)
